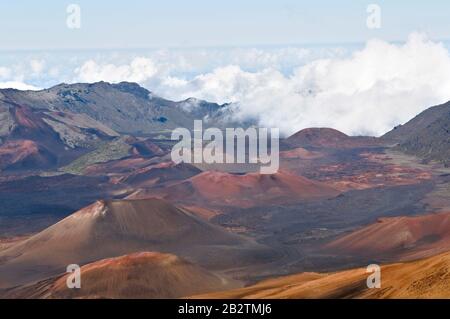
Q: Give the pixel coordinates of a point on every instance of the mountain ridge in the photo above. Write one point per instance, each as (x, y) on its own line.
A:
(427, 135)
(126, 107)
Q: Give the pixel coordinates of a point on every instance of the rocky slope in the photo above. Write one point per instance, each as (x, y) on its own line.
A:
(124, 107)
(426, 136)
(70, 120)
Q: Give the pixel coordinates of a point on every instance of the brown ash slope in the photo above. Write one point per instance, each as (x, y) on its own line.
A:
(218, 189)
(328, 138)
(114, 228)
(426, 278)
(139, 275)
(397, 238)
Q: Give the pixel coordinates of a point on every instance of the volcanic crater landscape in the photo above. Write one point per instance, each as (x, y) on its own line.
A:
(86, 178)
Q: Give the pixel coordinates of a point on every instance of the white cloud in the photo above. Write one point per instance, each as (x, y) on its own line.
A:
(369, 92)
(139, 70)
(37, 66)
(365, 91)
(53, 72)
(5, 72)
(17, 85)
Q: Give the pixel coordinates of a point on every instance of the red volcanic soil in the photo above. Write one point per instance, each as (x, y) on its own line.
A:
(114, 228)
(30, 125)
(9, 241)
(23, 154)
(147, 149)
(349, 175)
(160, 173)
(26, 118)
(300, 153)
(328, 137)
(122, 166)
(252, 189)
(139, 275)
(402, 238)
(366, 170)
(139, 172)
(143, 275)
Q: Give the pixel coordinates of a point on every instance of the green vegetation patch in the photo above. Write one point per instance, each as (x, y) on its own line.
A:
(108, 151)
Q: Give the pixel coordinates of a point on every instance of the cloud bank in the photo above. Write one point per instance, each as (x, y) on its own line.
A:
(17, 85)
(367, 91)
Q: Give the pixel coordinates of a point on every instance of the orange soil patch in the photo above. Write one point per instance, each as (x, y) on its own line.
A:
(426, 278)
(300, 153)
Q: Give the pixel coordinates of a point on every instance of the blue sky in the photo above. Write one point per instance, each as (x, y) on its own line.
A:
(27, 24)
